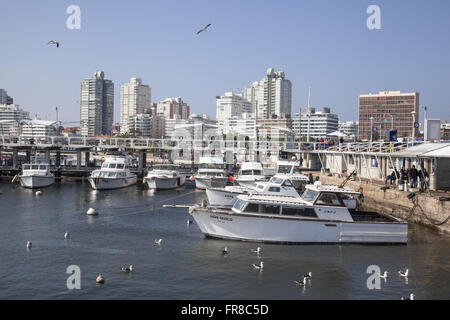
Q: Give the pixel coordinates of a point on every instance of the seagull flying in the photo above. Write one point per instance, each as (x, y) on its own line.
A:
(258, 266)
(411, 297)
(204, 28)
(54, 42)
(127, 270)
(301, 283)
(158, 242)
(403, 274)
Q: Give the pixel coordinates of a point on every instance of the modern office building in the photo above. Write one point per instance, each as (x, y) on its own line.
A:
(275, 128)
(4, 98)
(388, 110)
(171, 108)
(272, 95)
(195, 127)
(135, 99)
(140, 125)
(242, 125)
(350, 128)
(317, 123)
(231, 105)
(10, 117)
(96, 105)
(38, 128)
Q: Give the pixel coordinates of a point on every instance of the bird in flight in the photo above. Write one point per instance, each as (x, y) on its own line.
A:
(204, 28)
(54, 42)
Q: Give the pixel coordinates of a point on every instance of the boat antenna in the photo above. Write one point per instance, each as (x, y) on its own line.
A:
(346, 179)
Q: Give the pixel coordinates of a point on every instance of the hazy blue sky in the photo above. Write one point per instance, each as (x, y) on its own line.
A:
(325, 44)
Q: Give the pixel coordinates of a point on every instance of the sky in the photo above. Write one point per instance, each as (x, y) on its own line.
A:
(322, 44)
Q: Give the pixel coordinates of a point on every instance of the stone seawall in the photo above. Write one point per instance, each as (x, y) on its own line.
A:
(395, 202)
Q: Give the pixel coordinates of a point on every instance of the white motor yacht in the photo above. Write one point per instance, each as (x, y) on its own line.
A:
(211, 173)
(323, 214)
(249, 173)
(114, 174)
(36, 175)
(277, 185)
(291, 169)
(164, 176)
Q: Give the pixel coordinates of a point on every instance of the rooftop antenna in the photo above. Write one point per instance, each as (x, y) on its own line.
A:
(57, 122)
(308, 112)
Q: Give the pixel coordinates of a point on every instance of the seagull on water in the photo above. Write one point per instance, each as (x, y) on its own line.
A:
(188, 222)
(411, 297)
(158, 242)
(127, 269)
(403, 274)
(257, 250)
(301, 283)
(100, 279)
(258, 266)
(384, 275)
(204, 28)
(308, 276)
(54, 42)
(29, 245)
(66, 235)
(225, 250)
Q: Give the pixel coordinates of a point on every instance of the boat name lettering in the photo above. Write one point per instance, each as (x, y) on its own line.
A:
(221, 218)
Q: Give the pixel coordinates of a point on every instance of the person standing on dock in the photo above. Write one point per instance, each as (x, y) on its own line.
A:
(413, 174)
(424, 179)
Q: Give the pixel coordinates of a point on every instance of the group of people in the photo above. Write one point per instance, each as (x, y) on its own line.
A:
(411, 176)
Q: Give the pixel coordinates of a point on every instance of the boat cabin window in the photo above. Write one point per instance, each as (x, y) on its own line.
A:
(299, 211)
(26, 167)
(112, 166)
(262, 208)
(111, 174)
(246, 172)
(257, 172)
(287, 183)
(276, 180)
(41, 167)
(309, 195)
(260, 186)
(284, 169)
(120, 166)
(35, 167)
(239, 204)
(274, 189)
(329, 199)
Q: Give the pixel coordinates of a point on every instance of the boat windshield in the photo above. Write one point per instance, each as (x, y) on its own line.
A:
(239, 204)
(309, 195)
(284, 169)
(26, 167)
(276, 180)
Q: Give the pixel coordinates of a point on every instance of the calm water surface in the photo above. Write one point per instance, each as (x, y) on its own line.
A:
(187, 265)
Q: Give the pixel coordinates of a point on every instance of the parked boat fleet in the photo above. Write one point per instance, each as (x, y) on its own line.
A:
(283, 208)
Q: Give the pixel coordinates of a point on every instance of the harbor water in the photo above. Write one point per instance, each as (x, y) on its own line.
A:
(187, 265)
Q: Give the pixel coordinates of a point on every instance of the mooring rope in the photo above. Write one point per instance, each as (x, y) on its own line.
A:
(415, 201)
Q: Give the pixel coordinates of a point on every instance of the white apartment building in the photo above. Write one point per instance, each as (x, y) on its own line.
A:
(350, 128)
(242, 125)
(10, 116)
(272, 95)
(231, 105)
(96, 105)
(140, 125)
(171, 108)
(4, 98)
(38, 128)
(195, 127)
(135, 99)
(320, 123)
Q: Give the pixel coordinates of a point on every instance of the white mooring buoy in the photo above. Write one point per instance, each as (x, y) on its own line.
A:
(92, 212)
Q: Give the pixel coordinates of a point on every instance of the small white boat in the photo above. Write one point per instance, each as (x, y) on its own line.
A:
(277, 185)
(291, 169)
(211, 173)
(114, 174)
(165, 176)
(249, 173)
(36, 175)
(319, 216)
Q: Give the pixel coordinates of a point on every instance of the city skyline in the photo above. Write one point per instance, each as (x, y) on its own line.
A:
(324, 45)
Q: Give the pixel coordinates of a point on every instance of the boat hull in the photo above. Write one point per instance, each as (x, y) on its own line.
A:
(288, 230)
(36, 181)
(108, 184)
(164, 183)
(210, 182)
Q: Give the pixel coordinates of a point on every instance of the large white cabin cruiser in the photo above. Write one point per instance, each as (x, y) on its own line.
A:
(249, 173)
(164, 176)
(323, 214)
(291, 169)
(277, 185)
(211, 173)
(36, 175)
(114, 174)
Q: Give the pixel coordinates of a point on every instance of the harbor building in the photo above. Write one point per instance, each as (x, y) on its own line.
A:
(171, 108)
(4, 98)
(38, 128)
(10, 116)
(96, 105)
(231, 105)
(349, 128)
(135, 101)
(315, 124)
(388, 110)
(272, 95)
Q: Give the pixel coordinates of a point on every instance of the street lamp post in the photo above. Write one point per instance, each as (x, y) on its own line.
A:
(414, 123)
(371, 128)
